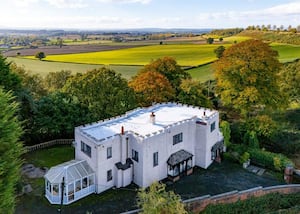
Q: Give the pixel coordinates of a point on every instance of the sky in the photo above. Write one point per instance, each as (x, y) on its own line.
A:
(127, 14)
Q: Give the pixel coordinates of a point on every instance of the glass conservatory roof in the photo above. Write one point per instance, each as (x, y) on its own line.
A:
(72, 170)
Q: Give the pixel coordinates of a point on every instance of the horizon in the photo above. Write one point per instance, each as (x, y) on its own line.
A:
(146, 14)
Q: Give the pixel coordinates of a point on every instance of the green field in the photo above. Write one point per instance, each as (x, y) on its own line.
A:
(44, 67)
(186, 55)
(287, 53)
(202, 73)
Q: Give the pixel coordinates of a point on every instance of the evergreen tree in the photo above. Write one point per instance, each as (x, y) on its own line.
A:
(10, 151)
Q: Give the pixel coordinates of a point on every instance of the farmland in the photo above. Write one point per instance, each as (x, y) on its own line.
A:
(128, 59)
(185, 54)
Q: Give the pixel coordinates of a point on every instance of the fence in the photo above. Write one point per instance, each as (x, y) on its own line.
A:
(48, 144)
(195, 205)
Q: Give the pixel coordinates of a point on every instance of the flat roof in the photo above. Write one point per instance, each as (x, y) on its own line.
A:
(138, 121)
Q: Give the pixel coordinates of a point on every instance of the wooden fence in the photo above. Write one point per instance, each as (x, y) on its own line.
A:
(48, 144)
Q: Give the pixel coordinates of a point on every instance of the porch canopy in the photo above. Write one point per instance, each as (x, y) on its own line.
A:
(76, 178)
(179, 162)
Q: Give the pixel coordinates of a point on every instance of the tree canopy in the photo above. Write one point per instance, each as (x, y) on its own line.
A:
(158, 201)
(290, 80)
(168, 67)
(104, 92)
(40, 55)
(151, 86)
(247, 77)
(10, 151)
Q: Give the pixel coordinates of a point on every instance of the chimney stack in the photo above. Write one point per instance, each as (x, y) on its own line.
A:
(122, 130)
(152, 118)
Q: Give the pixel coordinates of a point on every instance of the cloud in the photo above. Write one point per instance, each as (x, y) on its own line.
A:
(24, 3)
(284, 13)
(125, 1)
(67, 3)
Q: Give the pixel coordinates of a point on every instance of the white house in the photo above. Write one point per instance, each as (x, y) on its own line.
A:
(144, 145)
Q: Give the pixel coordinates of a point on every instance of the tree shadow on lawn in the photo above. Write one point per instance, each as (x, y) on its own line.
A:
(218, 178)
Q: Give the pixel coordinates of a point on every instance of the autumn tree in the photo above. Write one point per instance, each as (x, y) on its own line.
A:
(247, 77)
(290, 80)
(103, 91)
(151, 86)
(10, 151)
(194, 93)
(168, 67)
(156, 200)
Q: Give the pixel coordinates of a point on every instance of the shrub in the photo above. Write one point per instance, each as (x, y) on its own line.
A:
(269, 160)
(245, 157)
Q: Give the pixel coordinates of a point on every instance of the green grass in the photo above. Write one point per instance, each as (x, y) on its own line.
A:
(44, 67)
(186, 55)
(287, 53)
(50, 156)
(202, 73)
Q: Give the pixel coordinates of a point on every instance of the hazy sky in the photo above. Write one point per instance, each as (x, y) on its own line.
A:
(112, 14)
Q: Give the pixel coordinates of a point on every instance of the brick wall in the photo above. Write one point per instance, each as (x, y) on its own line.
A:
(196, 205)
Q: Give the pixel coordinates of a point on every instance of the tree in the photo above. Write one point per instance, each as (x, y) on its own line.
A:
(104, 92)
(225, 128)
(290, 80)
(194, 93)
(247, 77)
(168, 67)
(33, 83)
(219, 51)
(210, 40)
(10, 151)
(158, 201)
(40, 55)
(56, 116)
(151, 86)
(8, 79)
(56, 80)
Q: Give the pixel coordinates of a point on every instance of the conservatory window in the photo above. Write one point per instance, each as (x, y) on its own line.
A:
(84, 183)
(55, 189)
(78, 185)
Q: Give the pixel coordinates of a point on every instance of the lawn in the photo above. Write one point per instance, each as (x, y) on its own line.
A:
(185, 54)
(44, 67)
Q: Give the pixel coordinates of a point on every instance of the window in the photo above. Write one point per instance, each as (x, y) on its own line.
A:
(212, 126)
(177, 138)
(109, 175)
(86, 149)
(109, 152)
(155, 159)
(135, 155)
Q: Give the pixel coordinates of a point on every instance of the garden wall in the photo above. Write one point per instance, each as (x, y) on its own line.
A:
(195, 205)
(198, 204)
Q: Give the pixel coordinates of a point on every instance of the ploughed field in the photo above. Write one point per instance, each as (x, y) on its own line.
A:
(67, 49)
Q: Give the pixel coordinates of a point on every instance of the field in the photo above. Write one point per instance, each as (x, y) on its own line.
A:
(287, 53)
(127, 59)
(44, 67)
(185, 54)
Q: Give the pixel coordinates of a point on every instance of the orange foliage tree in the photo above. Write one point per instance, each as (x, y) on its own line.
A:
(247, 77)
(151, 86)
(168, 67)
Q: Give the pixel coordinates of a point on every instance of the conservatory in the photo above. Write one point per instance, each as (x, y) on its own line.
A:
(73, 179)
